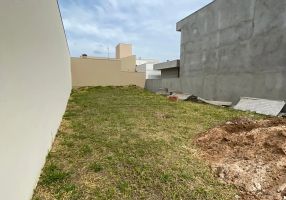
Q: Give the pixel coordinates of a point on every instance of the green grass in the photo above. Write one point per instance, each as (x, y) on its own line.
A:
(127, 143)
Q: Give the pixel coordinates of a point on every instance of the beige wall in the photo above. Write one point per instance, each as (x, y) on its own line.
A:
(91, 71)
(123, 50)
(132, 78)
(128, 64)
(103, 72)
(34, 88)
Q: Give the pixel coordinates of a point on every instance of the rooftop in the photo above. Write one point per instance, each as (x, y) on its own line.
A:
(167, 65)
(180, 23)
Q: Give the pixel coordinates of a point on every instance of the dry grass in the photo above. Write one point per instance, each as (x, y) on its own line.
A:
(126, 143)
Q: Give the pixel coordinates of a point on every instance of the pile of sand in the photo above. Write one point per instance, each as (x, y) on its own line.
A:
(249, 154)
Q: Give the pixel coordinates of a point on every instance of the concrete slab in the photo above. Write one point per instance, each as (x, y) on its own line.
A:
(261, 106)
(216, 103)
(167, 65)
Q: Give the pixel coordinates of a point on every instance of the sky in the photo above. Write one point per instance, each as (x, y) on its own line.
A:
(95, 27)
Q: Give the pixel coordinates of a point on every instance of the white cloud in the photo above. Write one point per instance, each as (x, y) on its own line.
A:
(92, 25)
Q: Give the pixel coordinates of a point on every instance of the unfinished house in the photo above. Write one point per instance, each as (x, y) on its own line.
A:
(231, 49)
(169, 69)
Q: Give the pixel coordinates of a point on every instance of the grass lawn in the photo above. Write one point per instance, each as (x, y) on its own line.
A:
(127, 143)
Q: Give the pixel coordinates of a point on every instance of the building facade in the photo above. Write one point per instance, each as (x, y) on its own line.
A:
(232, 49)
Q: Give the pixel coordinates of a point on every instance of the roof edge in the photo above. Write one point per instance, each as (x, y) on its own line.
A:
(63, 26)
(181, 22)
(167, 65)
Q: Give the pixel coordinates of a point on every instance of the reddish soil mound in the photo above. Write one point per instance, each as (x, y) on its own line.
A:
(249, 154)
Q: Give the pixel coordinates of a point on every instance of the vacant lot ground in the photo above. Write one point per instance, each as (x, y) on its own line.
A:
(126, 143)
(250, 154)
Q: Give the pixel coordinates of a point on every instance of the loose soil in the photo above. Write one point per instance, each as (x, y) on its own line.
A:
(249, 154)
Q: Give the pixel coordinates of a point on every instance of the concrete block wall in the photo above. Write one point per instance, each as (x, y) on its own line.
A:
(173, 84)
(170, 73)
(235, 48)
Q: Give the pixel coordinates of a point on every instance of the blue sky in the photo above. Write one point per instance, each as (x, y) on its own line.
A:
(93, 26)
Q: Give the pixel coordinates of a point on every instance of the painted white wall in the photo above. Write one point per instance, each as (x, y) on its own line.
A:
(146, 61)
(35, 84)
(150, 72)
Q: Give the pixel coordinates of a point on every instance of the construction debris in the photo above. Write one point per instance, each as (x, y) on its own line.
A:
(182, 97)
(216, 103)
(190, 97)
(261, 106)
(173, 98)
(163, 92)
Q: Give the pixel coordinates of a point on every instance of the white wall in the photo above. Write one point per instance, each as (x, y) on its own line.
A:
(146, 61)
(35, 84)
(149, 70)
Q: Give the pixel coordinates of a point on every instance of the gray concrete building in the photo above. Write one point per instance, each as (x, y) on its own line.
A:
(231, 49)
(170, 73)
(169, 69)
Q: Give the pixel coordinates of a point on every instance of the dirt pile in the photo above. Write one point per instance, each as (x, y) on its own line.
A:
(249, 154)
